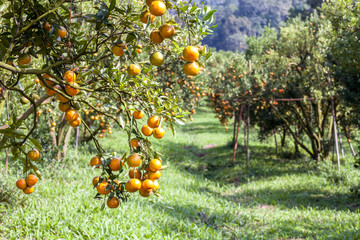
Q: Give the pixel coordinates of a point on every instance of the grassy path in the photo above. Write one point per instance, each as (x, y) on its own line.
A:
(204, 196)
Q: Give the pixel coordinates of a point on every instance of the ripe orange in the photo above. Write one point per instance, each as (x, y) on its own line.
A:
(134, 143)
(117, 50)
(133, 69)
(116, 164)
(134, 173)
(156, 59)
(156, 37)
(51, 92)
(96, 180)
(49, 82)
(145, 16)
(24, 59)
(64, 106)
(138, 114)
(134, 160)
(29, 190)
(133, 185)
(62, 32)
(157, 8)
(146, 130)
(61, 98)
(75, 123)
(101, 188)
(53, 124)
(69, 76)
(156, 185)
(167, 30)
(153, 121)
(70, 90)
(147, 184)
(154, 175)
(145, 192)
(33, 154)
(191, 53)
(95, 161)
(191, 69)
(71, 115)
(113, 202)
(37, 80)
(21, 184)
(47, 26)
(31, 180)
(158, 132)
(155, 165)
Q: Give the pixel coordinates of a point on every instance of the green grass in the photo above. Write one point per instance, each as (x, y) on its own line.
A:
(203, 195)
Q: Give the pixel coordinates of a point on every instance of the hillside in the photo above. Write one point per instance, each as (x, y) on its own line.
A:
(238, 19)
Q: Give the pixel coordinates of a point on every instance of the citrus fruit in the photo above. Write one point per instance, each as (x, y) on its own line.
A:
(75, 123)
(24, 59)
(133, 185)
(156, 37)
(138, 114)
(117, 50)
(21, 184)
(153, 121)
(71, 115)
(156, 59)
(115, 164)
(154, 175)
(101, 188)
(113, 202)
(29, 190)
(144, 17)
(64, 106)
(71, 90)
(191, 53)
(95, 161)
(158, 132)
(155, 165)
(191, 68)
(134, 173)
(167, 30)
(146, 130)
(133, 69)
(31, 180)
(134, 160)
(33, 154)
(157, 8)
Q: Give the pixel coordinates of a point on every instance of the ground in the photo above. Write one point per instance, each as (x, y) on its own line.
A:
(203, 195)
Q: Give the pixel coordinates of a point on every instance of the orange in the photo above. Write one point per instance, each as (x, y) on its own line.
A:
(134, 173)
(64, 106)
(145, 192)
(113, 202)
(29, 190)
(37, 80)
(191, 53)
(21, 184)
(24, 59)
(146, 130)
(117, 50)
(49, 82)
(138, 114)
(157, 8)
(147, 184)
(191, 69)
(156, 59)
(96, 180)
(158, 132)
(133, 185)
(33, 154)
(167, 30)
(115, 164)
(95, 161)
(101, 188)
(71, 115)
(31, 180)
(70, 90)
(155, 165)
(154, 175)
(62, 32)
(134, 160)
(133, 69)
(62, 99)
(51, 92)
(153, 121)
(75, 123)
(156, 185)
(47, 26)
(144, 17)
(134, 143)
(156, 37)
(69, 76)
(53, 124)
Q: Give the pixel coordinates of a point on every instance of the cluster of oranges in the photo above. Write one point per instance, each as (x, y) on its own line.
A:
(69, 90)
(142, 177)
(191, 55)
(27, 185)
(152, 127)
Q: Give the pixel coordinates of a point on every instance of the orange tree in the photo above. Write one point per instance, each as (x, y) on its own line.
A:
(83, 61)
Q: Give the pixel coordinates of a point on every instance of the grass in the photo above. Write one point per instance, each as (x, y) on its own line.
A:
(204, 195)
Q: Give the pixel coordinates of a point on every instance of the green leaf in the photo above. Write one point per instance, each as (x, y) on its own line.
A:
(36, 143)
